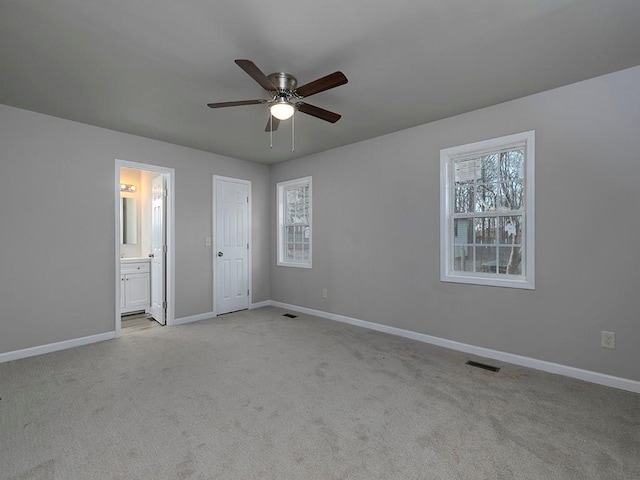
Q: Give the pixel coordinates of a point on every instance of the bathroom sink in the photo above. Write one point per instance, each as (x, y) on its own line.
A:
(134, 259)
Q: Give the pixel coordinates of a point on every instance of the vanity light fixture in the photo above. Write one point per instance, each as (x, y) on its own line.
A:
(127, 188)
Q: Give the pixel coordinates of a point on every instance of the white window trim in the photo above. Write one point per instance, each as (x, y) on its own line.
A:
(281, 186)
(447, 156)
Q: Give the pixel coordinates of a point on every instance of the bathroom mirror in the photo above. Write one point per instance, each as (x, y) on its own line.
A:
(128, 221)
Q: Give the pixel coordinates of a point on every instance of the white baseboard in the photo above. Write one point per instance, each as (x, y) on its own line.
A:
(559, 369)
(54, 347)
(208, 315)
(192, 318)
(264, 303)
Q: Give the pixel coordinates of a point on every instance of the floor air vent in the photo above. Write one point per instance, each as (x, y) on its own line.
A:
(483, 365)
(290, 315)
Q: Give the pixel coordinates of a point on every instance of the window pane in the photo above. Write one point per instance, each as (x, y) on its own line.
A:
(511, 195)
(510, 230)
(486, 196)
(489, 168)
(512, 164)
(304, 252)
(511, 260)
(486, 259)
(485, 229)
(290, 207)
(463, 230)
(297, 243)
(290, 214)
(463, 259)
(299, 233)
(297, 204)
(464, 199)
(289, 236)
(467, 171)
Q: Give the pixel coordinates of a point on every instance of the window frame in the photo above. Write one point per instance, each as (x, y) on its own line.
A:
(282, 187)
(448, 157)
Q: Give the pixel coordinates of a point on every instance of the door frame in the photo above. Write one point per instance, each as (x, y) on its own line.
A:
(214, 246)
(170, 231)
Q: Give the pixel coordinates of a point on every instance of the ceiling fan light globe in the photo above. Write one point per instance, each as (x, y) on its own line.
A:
(282, 110)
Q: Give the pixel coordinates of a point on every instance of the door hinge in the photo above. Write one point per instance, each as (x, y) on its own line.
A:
(247, 293)
(247, 199)
(164, 249)
(247, 246)
(164, 305)
(166, 192)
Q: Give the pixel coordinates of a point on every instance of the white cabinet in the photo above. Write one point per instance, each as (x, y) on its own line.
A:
(135, 286)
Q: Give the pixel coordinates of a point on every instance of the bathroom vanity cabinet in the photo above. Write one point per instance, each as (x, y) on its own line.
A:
(135, 285)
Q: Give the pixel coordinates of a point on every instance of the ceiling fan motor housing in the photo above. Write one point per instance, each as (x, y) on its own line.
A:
(284, 81)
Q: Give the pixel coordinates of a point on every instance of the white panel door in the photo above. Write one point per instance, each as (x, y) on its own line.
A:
(158, 249)
(231, 246)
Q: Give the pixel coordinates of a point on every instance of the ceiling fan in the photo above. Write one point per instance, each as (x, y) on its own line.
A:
(286, 95)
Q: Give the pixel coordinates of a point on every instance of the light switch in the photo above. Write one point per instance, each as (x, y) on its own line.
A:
(207, 241)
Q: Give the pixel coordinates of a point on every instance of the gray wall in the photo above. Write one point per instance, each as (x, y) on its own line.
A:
(57, 221)
(376, 230)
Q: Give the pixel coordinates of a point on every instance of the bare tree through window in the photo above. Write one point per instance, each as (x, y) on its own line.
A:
(294, 223)
(487, 219)
(488, 212)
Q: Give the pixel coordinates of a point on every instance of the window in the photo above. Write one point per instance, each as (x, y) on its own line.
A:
(294, 223)
(487, 212)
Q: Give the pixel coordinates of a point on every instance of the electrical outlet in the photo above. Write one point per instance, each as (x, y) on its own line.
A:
(607, 339)
(324, 293)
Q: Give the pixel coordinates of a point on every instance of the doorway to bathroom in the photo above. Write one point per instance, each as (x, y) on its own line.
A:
(144, 239)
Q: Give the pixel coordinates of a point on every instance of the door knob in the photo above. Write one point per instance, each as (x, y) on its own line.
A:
(151, 255)
(220, 254)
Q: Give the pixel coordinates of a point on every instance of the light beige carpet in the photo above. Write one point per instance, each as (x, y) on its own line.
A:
(255, 395)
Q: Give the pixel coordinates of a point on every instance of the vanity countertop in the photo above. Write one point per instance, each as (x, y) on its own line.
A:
(134, 259)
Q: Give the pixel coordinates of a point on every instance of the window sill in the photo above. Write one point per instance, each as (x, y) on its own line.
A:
(518, 282)
(295, 265)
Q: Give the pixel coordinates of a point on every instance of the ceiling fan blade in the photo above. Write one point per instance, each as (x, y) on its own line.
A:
(254, 72)
(332, 80)
(318, 112)
(272, 121)
(235, 104)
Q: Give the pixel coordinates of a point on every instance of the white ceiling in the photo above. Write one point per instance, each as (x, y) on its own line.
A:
(149, 68)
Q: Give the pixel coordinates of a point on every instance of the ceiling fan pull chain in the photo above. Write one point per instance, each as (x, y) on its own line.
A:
(271, 131)
(293, 133)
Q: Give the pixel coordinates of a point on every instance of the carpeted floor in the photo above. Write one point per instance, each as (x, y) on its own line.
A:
(255, 395)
